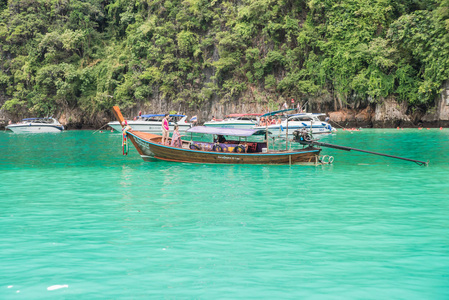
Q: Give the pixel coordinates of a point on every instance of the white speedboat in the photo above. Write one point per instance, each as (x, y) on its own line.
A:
(153, 123)
(36, 125)
(244, 121)
(309, 121)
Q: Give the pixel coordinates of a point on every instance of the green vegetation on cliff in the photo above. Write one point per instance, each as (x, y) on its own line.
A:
(59, 55)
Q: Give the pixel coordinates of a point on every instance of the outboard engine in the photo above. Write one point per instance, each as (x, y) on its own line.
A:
(302, 135)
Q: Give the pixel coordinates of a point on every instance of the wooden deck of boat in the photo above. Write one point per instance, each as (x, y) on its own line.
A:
(145, 135)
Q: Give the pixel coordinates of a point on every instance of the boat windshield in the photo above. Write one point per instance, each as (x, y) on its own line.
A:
(247, 118)
(39, 120)
(153, 118)
(160, 117)
(302, 119)
(307, 117)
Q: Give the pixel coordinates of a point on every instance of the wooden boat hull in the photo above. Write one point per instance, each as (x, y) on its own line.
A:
(148, 147)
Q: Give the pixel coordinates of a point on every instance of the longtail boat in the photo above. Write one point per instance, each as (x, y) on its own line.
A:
(234, 151)
(237, 149)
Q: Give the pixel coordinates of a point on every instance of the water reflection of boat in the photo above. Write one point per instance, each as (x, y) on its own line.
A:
(36, 125)
(229, 146)
(152, 123)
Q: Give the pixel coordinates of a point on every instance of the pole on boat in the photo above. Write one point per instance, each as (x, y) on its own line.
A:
(118, 115)
(418, 162)
(266, 134)
(280, 124)
(311, 126)
(286, 135)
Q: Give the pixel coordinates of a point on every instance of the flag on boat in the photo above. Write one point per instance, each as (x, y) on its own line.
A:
(194, 119)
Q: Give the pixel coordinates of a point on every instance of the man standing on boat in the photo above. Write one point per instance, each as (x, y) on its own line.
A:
(165, 130)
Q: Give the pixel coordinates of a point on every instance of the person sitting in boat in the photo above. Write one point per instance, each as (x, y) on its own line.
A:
(213, 118)
(262, 122)
(176, 138)
(221, 139)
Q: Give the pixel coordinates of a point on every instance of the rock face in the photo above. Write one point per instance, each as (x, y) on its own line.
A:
(390, 113)
(352, 118)
(438, 116)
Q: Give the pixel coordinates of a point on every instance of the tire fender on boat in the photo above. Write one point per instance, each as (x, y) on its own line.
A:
(217, 148)
(239, 149)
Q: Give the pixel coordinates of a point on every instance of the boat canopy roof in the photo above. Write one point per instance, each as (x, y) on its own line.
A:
(242, 115)
(225, 131)
(160, 115)
(272, 113)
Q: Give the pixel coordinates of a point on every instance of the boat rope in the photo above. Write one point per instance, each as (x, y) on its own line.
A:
(335, 123)
(100, 128)
(125, 145)
(125, 142)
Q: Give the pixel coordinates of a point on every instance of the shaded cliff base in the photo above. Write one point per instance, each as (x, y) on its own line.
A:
(392, 114)
(388, 114)
(348, 118)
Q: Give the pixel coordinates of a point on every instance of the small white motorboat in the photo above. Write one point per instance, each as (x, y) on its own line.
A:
(243, 121)
(153, 123)
(309, 121)
(36, 125)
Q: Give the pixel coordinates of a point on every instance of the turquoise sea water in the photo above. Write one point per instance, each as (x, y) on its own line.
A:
(76, 213)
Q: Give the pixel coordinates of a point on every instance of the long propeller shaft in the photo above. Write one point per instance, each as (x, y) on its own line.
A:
(419, 162)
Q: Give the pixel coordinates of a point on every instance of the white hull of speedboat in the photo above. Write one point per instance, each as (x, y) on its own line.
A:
(36, 127)
(278, 130)
(301, 121)
(148, 126)
(241, 124)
